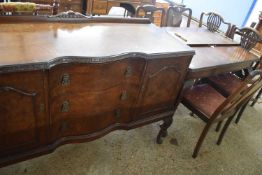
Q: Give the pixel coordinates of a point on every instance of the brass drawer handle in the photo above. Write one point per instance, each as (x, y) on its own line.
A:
(118, 113)
(124, 95)
(63, 126)
(65, 106)
(65, 79)
(128, 71)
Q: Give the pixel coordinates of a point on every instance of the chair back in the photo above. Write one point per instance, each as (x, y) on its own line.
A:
(147, 11)
(249, 87)
(249, 37)
(174, 16)
(214, 22)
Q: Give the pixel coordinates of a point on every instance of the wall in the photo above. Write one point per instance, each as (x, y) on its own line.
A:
(233, 11)
(255, 13)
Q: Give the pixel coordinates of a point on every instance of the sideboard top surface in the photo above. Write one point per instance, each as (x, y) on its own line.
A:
(27, 43)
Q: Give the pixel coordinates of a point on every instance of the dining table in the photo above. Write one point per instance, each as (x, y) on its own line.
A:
(200, 36)
(215, 52)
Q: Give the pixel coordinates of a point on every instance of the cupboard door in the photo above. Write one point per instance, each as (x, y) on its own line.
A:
(163, 81)
(22, 112)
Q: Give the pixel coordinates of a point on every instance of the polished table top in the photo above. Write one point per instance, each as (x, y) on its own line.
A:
(23, 43)
(215, 53)
(200, 36)
(210, 61)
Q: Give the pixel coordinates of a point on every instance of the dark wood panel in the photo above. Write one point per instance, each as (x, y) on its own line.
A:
(23, 112)
(162, 84)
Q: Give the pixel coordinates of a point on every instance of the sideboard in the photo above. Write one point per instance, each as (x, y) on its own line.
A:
(75, 82)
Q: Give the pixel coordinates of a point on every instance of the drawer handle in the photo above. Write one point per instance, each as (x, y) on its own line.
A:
(65, 106)
(124, 95)
(65, 79)
(63, 126)
(118, 113)
(128, 71)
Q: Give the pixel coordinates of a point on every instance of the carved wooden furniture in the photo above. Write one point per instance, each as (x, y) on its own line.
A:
(214, 21)
(174, 16)
(228, 83)
(148, 11)
(196, 37)
(219, 60)
(210, 106)
(76, 82)
(158, 15)
(68, 15)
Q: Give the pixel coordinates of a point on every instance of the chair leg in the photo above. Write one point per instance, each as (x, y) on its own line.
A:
(201, 139)
(163, 129)
(242, 109)
(220, 138)
(219, 126)
(257, 97)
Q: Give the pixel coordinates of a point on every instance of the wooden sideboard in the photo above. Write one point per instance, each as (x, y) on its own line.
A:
(74, 82)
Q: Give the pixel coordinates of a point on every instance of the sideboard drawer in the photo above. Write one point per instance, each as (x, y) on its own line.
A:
(84, 113)
(68, 79)
(74, 125)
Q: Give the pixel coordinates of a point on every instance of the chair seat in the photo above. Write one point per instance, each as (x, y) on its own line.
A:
(226, 84)
(203, 100)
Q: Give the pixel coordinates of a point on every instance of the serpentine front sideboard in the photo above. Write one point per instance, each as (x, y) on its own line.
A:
(74, 82)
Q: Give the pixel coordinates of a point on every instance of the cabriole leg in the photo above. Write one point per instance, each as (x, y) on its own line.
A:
(163, 129)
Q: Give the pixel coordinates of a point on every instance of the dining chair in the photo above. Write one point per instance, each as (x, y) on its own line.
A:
(228, 83)
(148, 11)
(214, 22)
(212, 107)
(175, 15)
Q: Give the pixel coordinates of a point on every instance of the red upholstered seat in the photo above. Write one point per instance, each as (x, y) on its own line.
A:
(203, 100)
(226, 84)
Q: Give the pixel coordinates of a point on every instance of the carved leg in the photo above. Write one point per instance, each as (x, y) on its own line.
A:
(221, 136)
(201, 139)
(163, 129)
